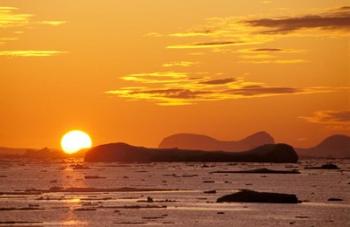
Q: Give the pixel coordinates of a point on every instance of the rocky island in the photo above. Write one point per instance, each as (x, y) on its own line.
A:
(121, 152)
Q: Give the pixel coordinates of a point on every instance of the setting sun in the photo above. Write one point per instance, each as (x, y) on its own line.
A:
(74, 141)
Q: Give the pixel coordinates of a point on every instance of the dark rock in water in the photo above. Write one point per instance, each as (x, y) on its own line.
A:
(261, 171)
(249, 196)
(325, 166)
(94, 177)
(121, 152)
(78, 166)
(329, 166)
(302, 216)
(149, 199)
(335, 199)
(85, 209)
(206, 143)
(210, 192)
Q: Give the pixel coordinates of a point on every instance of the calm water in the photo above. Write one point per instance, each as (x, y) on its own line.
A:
(73, 193)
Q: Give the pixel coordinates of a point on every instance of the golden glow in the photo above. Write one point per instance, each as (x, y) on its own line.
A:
(164, 68)
(74, 141)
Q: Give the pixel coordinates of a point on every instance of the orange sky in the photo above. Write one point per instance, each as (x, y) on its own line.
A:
(139, 70)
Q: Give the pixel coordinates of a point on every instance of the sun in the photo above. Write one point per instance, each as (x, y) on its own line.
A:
(74, 141)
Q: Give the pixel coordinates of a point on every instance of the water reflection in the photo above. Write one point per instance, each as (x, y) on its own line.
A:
(72, 176)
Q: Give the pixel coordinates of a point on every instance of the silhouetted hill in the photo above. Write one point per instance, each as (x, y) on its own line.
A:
(121, 152)
(12, 152)
(45, 153)
(31, 153)
(336, 146)
(206, 143)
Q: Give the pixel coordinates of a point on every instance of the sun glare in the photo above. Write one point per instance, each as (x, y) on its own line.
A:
(74, 141)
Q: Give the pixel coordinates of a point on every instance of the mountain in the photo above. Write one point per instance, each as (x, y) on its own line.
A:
(121, 152)
(335, 146)
(206, 143)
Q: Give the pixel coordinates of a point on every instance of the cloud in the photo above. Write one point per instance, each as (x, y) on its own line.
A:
(332, 118)
(256, 90)
(157, 77)
(268, 50)
(215, 43)
(13, 22)
(219, 32)
(9, 17)
(338, 19)
(219, 81)
(184, 88)
(186, 96)
(179, 64)
(30, 53)
(203, 45)
(53, 22)
(165, 97)
(191, 34)
(269, 56)
(275, 61)
(174, 93)
(229, 32)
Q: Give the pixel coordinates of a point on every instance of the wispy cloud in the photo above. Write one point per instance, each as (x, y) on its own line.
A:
(219, 81)
(338, 19)
(13, 22)
(9, 17)
(231, 32)
(203, 45)
(183, 88)
(179, 64)
(30, 53)
(269, 56)
(157, 77)
(52, 22)
(265, 60)
(257, 90)
(331, 118)
(268, 50)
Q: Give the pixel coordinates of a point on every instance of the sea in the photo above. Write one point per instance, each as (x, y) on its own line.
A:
(71, 192)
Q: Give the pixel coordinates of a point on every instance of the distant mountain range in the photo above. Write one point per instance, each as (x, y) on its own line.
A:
(336, 146)
(206, 143)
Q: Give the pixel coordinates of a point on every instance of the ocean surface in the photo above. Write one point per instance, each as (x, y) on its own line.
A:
(74, 193)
